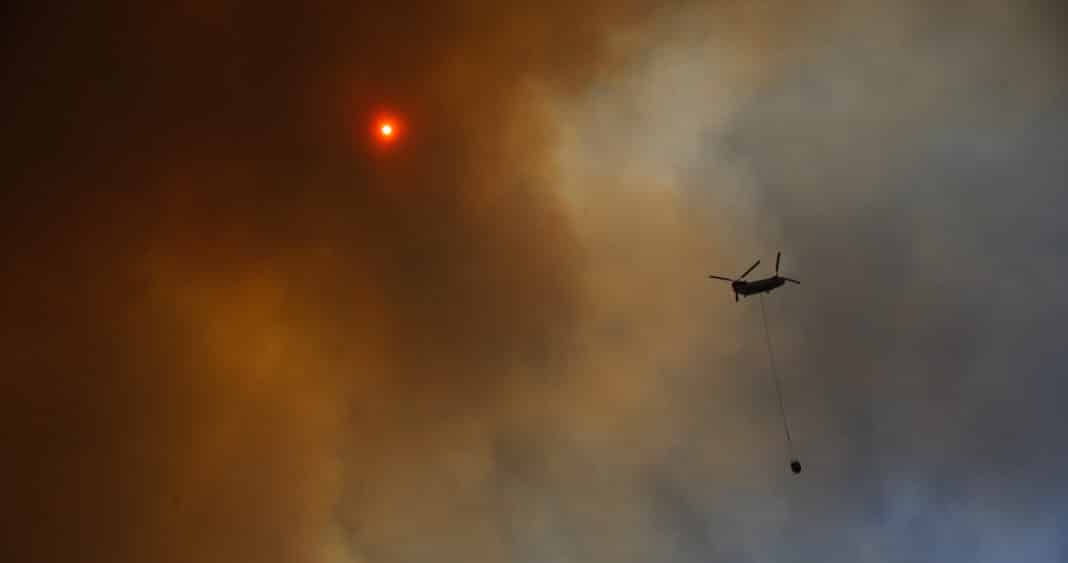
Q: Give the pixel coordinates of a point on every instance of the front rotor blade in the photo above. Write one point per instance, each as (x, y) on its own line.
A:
(778, 255)
(755, 264)
(792, 280)
(721, 278)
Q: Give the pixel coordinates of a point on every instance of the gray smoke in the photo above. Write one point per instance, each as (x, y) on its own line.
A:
(238, 330)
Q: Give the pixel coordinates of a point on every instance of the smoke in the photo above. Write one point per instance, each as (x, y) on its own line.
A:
(905, 159)
(240, 330)
(237, 330)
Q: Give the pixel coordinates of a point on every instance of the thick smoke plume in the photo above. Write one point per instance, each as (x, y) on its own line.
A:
(239, 329)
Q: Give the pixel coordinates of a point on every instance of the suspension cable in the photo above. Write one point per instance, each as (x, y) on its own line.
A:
(775, 378)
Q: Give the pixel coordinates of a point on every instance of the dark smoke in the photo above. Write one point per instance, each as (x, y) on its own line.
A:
(237, 329)
(227, 312)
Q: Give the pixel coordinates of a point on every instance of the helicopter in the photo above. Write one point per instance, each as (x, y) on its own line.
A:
(766, 285)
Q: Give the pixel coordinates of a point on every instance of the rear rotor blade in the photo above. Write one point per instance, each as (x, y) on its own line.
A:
(778, 255)
(792, 280)
(721, 278)
(755, 264)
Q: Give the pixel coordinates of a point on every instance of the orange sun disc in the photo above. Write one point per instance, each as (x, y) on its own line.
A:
(386, 129)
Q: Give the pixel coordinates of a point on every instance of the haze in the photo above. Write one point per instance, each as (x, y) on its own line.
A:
(239, 330)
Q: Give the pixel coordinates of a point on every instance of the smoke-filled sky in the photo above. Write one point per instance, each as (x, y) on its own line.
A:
(240, 329)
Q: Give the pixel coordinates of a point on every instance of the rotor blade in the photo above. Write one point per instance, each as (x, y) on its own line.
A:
(721, 278)
(792, 280)
(778, 255)
(757, 263)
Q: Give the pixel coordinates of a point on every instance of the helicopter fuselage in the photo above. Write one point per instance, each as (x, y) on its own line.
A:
(746, 288)
(757, 286)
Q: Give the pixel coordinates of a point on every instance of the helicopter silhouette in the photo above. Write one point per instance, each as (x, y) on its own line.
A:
(766, 285)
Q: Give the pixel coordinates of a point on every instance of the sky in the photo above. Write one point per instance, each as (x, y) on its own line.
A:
(239, 327)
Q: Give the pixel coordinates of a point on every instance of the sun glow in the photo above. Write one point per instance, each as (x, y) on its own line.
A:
(386, 128)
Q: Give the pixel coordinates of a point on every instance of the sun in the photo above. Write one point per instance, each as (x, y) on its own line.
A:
(386, 129)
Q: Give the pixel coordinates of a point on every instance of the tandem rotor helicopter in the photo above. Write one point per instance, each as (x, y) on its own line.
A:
(766, 285)
(747, 288)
